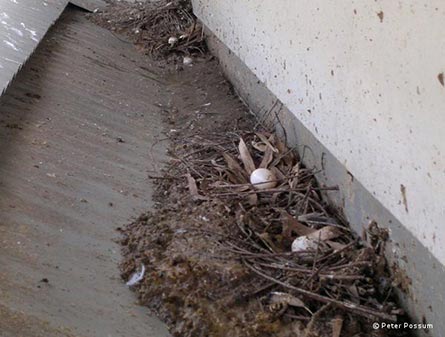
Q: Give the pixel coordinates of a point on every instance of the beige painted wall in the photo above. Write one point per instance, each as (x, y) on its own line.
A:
(364, 77)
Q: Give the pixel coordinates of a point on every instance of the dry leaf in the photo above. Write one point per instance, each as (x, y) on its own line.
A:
(246, 158)
(267, 240)
(235, 178)
(290, 224)
(259, 146)
(235, 167)
(193, 188)
(266, 141)
(278, 173)
(267, 159)
(319, 218)
(337, 324)
(335, 245)
(325, 233)
(355, 298)
(294, 172)
(284, 150)
(252, 199)
(280, 297)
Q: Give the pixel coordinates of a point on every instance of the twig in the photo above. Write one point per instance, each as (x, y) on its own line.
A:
(276, 190)
(355, 308)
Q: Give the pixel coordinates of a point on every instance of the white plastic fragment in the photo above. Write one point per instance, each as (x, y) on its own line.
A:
(187, 60)
(263, 178)
(136, 277)
(172, 41)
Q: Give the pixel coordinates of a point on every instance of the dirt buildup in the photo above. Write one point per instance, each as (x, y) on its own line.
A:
(161, 28)
(220, 253)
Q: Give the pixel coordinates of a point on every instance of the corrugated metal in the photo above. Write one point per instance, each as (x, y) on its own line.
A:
(23, 23)
(80, 130)
(89, 5)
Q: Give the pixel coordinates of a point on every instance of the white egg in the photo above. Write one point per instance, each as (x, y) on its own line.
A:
(187, 60)
(263, 178)
(303, 243)
(172, 41)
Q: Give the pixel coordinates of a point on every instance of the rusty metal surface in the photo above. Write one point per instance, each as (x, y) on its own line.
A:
(79, 132)
(23, 23)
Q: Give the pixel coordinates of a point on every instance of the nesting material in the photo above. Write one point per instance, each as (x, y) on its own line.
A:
(302, 261)
(157, 23)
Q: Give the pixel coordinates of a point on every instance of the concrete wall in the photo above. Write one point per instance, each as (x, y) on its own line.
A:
(361, 84)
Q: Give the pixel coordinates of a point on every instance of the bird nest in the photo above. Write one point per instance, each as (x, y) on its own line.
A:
(159, 28)
(214, 218)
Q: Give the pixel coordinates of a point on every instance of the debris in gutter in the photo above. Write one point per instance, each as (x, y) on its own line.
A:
(187, 60)
(266, 261)
(154, 27)
(136, 277)
(172, 41)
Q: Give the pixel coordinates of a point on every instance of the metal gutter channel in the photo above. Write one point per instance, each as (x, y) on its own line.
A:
(23, 24)
(80, 130)
(89, 5)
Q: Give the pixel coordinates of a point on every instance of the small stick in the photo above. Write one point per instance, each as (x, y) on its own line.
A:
(275, 190)
(342, 277)
(314, 271)
(163, 178)
(349, 245)
(350, 265)
(355, 308)
(260, 255)
(302, 318)
(307, 271)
